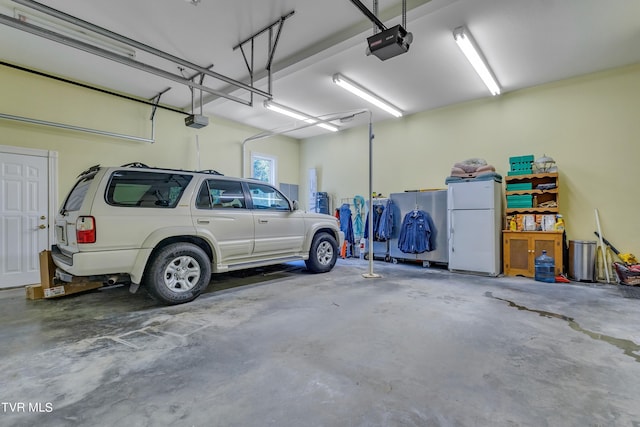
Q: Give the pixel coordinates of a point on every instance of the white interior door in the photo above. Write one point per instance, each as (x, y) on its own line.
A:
(23, 217)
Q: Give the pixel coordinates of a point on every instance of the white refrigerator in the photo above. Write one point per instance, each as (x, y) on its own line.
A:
(474, 214)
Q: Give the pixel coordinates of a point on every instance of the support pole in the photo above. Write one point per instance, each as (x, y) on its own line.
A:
(370, 274)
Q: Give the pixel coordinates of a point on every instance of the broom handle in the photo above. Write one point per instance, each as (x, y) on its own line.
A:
(604, 257)
(608, 243)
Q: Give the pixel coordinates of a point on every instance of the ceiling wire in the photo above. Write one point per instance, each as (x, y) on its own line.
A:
(86, 86)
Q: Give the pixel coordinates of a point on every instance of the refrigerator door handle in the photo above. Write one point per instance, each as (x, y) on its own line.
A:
(451, 228)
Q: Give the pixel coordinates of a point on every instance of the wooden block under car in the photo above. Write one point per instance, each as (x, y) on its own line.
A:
(52, 288)
(34, 292)
(47, 269)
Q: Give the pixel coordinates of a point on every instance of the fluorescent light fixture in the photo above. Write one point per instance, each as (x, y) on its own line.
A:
(467, 44)
(278, 108)
(365, 94)
(75, 33)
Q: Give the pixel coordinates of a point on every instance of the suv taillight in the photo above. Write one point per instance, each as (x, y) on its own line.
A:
(86, 229)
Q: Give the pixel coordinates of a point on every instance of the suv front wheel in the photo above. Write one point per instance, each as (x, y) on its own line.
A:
(178, 273)
(323, 253)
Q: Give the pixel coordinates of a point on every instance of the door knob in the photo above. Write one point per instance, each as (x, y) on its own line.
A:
(42, 226)
(43, 217)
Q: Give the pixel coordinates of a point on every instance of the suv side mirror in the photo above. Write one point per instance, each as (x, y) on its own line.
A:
(295, 206)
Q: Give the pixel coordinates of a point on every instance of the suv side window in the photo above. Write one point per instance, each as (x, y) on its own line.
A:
(267, 197)
(218, 193)
(130, 188)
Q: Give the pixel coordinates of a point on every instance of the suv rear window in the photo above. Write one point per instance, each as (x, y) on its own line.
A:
(146, 189)
(76, 196)
(216, 193)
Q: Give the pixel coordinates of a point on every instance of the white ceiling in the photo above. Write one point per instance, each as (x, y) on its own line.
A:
(527, 43)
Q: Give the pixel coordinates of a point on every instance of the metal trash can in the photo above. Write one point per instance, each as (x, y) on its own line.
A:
(582, 260)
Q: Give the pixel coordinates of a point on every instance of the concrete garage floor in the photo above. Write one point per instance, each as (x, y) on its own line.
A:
(281, 347)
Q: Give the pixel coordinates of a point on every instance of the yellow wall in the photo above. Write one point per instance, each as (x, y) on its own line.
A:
(590, 125)
(28, 95)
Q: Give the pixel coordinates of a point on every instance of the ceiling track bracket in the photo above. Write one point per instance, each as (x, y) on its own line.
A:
(273, 44)
(372, 16)
(192, 89)
(156, 101)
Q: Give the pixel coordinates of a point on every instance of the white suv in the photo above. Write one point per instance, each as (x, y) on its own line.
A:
(171, 229)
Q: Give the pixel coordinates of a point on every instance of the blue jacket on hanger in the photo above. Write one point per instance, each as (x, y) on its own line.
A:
(417, 233)
(385, 226)
(382, 221)
(345, 223)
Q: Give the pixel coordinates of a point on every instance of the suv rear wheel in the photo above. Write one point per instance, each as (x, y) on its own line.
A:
(178, 273)
(323, 253)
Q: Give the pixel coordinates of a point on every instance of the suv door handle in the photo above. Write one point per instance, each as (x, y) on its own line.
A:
(203, 221)
(262, 221)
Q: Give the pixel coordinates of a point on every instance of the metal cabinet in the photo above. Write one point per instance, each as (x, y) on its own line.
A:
(435, 204)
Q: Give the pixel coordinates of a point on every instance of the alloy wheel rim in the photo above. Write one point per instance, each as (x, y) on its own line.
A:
(182, 274)
(325, 253)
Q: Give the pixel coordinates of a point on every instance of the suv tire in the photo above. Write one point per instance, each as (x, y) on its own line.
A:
(323, 253)
(178, 273)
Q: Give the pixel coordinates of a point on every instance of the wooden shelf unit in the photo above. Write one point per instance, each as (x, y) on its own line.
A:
(521, 248)
(540, 196)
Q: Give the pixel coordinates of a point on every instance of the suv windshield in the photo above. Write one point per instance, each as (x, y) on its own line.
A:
(76, 196)
(146, 189)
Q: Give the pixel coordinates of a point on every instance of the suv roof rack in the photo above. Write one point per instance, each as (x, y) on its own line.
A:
(135, 165)
(211, 171)
(88, 171)
(144, 166)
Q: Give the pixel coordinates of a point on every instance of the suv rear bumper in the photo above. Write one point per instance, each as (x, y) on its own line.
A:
(83, 264)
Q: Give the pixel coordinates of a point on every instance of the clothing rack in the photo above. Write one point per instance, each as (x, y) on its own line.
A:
(358, 208)
(380, 248)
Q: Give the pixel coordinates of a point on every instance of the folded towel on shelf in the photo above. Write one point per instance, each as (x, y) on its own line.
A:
(485, 176)
(470, 165)
(548, 186)
(485, 169)
(462, 173)
(465, 167)
(549, 204)
(473, 170)
(459, 172)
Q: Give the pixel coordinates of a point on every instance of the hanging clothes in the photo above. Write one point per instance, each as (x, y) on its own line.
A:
(359, 207)
(417, 234)
(377, 210)
(382, 221)
(385, 225)
(345, 223)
